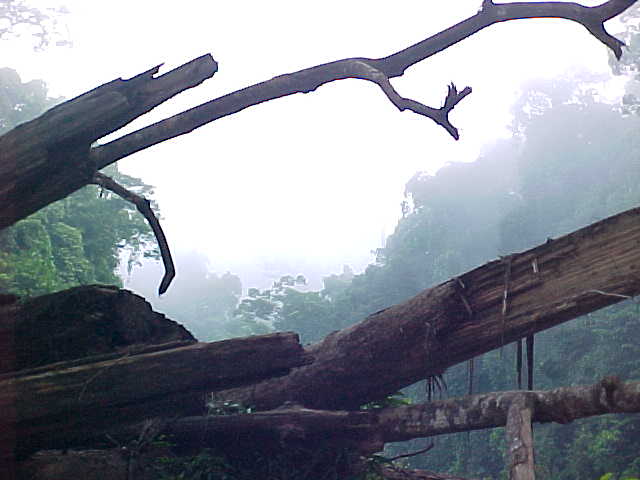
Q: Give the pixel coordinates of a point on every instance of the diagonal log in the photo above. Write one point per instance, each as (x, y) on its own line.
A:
(479, 311)
(46, 159)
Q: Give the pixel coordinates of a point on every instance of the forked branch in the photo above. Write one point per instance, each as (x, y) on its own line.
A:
(379, 71)
(144, 207)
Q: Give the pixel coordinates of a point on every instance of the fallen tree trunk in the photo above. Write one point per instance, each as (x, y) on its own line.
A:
(69, 402)
(377, 427)
(46, 159)
(481, 310)
(296, 427)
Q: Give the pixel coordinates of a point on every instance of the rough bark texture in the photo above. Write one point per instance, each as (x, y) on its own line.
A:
(294, 427)
(80, 322)
(109, 359)
(46, 159)
(562, 279)
(476, 412)
(520, 439)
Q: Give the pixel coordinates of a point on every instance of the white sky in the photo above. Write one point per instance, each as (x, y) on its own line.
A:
(317, 176)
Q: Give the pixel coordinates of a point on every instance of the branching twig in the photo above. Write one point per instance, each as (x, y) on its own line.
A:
(144, 207)
(376, 70)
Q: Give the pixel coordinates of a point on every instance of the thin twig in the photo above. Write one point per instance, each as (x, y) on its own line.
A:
(144, 207)
(412, 454)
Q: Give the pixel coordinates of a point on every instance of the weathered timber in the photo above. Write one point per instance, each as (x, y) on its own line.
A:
(519, 436)
(296, 426)
(68, 403)
(562, 279)
(80, 322)
(475, 412)
(46, 159)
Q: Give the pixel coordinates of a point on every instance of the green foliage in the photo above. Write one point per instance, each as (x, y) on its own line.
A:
(283, 307)
(77, 240)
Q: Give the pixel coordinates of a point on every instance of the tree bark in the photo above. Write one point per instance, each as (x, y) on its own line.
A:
(80, 322)
(46, 159)
(464, 317)
(70, 402)
(475, 412)
(370, 429)
(520, 439)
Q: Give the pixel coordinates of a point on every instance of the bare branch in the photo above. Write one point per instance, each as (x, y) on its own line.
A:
(379, 71)
(144, 207)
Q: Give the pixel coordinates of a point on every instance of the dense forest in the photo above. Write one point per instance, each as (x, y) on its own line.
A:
(572, 159)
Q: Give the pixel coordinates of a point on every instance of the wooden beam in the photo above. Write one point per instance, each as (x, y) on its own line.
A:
(68, 402)
(519, 436)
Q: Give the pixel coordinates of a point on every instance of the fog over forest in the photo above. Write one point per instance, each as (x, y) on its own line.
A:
(310, 212)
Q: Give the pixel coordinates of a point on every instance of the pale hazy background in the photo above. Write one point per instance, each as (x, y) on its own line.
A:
(309, 182)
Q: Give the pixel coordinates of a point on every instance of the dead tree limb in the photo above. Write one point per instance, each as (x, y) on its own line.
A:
(46, 159)
(378, 71)
(144, 207)
(557, 281)
(50, 157)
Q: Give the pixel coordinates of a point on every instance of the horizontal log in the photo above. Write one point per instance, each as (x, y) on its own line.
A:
(479, 311)
(369, 429)
(65, 404)
(476, 412)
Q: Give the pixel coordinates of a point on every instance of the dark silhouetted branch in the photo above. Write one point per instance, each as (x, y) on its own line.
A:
(379, 71)
(144, 207)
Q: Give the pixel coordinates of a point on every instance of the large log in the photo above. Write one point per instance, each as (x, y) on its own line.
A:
(377, 427)
(46, 159)
(72, 401)
(293, 426)
(481, 310)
